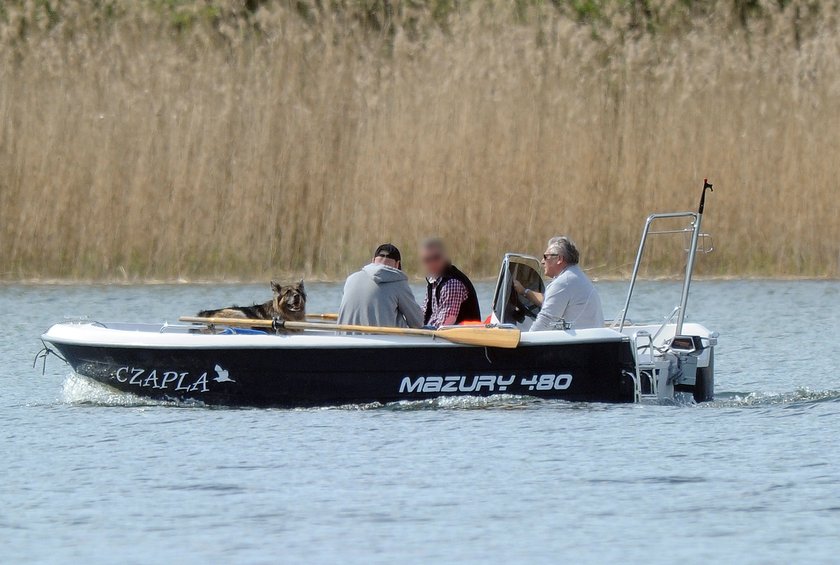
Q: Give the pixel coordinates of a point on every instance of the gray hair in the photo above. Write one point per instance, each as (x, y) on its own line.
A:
(565, 248)
(435, 243)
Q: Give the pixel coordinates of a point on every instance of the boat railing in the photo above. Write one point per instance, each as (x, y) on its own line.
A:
(665, 323)
(692, 228)
(180, 328)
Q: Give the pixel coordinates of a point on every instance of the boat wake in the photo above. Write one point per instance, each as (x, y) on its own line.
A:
(497, 401)
(798, 397)
(83, 391)
(80, 390)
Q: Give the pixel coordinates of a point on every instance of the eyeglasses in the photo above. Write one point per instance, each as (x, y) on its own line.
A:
(547, 255)
(432, 258)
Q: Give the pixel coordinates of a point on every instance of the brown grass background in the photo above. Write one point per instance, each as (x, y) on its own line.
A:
(164, 140)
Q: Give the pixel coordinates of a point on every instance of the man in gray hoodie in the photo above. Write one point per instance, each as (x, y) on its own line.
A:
(379, 294)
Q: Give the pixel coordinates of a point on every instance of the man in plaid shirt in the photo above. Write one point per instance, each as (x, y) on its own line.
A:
(450, 296)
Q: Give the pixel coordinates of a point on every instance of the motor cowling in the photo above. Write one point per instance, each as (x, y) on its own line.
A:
(685, 375)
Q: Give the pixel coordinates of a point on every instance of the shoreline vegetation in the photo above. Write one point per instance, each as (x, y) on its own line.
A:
(418, 280)
(210, 140)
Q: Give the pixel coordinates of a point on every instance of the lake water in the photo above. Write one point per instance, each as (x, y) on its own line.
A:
(94, 477)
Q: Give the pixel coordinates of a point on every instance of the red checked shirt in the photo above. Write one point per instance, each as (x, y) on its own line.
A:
(452, 295)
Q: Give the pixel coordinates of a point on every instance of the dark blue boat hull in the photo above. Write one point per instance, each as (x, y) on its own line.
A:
(289, 377)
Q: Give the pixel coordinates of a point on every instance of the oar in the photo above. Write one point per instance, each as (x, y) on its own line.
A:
(323, 316)
(466, 335)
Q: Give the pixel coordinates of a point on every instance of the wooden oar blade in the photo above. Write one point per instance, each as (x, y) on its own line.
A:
(481, 336)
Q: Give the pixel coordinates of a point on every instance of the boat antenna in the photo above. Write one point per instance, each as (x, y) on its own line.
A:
(692, 253)
(706, 185)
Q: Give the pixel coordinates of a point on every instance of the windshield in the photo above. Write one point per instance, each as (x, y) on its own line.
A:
(508, 306)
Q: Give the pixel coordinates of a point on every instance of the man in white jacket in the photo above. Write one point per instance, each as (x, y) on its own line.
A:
(570, 296)
(379, 294)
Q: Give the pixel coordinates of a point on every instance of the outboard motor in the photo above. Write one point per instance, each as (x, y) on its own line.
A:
(685, 376)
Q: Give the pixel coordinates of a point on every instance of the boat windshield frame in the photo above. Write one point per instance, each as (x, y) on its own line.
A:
(503, 293)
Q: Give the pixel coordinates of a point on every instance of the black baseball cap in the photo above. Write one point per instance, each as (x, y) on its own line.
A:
(389, 251)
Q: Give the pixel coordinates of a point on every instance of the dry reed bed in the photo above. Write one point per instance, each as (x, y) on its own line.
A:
(132, 151)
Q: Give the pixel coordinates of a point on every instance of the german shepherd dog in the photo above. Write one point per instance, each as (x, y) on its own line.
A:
(289, 303)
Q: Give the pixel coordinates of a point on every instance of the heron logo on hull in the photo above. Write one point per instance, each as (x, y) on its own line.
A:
(174, 381)
(488, 383)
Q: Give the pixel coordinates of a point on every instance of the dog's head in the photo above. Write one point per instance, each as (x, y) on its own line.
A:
(289, 298)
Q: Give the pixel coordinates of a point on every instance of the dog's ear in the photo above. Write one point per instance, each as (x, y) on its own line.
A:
(276, 287)
(300, 285)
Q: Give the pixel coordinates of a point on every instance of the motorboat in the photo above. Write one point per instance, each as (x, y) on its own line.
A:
(620, 362)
